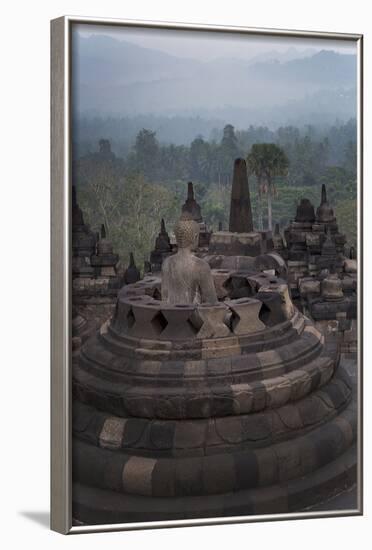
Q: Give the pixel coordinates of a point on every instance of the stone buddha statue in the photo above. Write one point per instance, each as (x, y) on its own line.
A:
(187, 279)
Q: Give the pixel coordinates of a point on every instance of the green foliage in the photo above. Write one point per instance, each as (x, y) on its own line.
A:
(131, 209)
(131, 194)
(216, 205)
(267, 161)
(346, 212)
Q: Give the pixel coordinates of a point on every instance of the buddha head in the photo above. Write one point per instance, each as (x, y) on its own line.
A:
(187, 232)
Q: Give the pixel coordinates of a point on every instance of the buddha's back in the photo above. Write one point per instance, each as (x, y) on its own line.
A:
(187, 279)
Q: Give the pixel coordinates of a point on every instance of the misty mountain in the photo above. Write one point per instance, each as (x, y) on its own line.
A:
(101, 60)
(112, 77)
(287, 55)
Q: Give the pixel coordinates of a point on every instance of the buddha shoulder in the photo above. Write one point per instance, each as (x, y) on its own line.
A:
(201, 265)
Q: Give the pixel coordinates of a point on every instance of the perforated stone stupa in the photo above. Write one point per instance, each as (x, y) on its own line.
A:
(163, 248)
(200, 409)
(192, 207)
(95, 278)
(314, 242)
(322, 281)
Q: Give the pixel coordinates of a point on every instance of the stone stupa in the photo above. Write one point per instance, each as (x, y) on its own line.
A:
(208, 408)
(241, 239)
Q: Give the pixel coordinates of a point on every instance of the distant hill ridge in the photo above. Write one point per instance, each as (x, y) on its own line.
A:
(118, 77)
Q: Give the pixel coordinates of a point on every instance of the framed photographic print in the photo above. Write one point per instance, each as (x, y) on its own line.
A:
(206, 269)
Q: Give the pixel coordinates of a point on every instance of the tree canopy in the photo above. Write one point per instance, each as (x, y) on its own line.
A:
(132, 191)
(267, 161)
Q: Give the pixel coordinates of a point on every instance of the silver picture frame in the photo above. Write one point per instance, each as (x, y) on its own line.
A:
(61, 484)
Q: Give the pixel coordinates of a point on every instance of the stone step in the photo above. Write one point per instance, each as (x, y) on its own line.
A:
(217, 473)
(98, 506)
(198, 437)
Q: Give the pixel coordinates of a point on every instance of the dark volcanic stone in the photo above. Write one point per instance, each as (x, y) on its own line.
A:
(240, 207)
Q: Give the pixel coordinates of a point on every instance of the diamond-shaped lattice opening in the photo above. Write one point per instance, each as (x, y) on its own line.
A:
(159, 322)
(130, 318)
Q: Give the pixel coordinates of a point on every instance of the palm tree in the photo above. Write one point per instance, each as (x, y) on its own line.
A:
(267, 161)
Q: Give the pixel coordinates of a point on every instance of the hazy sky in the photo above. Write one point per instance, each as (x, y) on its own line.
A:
(207, 45)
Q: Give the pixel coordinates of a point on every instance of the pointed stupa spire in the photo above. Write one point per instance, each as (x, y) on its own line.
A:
(324, 213)
(131, 274)
(240, 206)
(162, 240)
(191, 206)
(190, 191)
(277, 229)
(323, 199)
(104, 246)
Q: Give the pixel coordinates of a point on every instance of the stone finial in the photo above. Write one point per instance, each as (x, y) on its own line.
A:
(162, 242)
(324, 212)
(323, 199)
(352, 253)
(191, 206)
(190, 191)
(103, 231)
(277, 229)
(241, 220)
(131, 274)
(219, 226)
